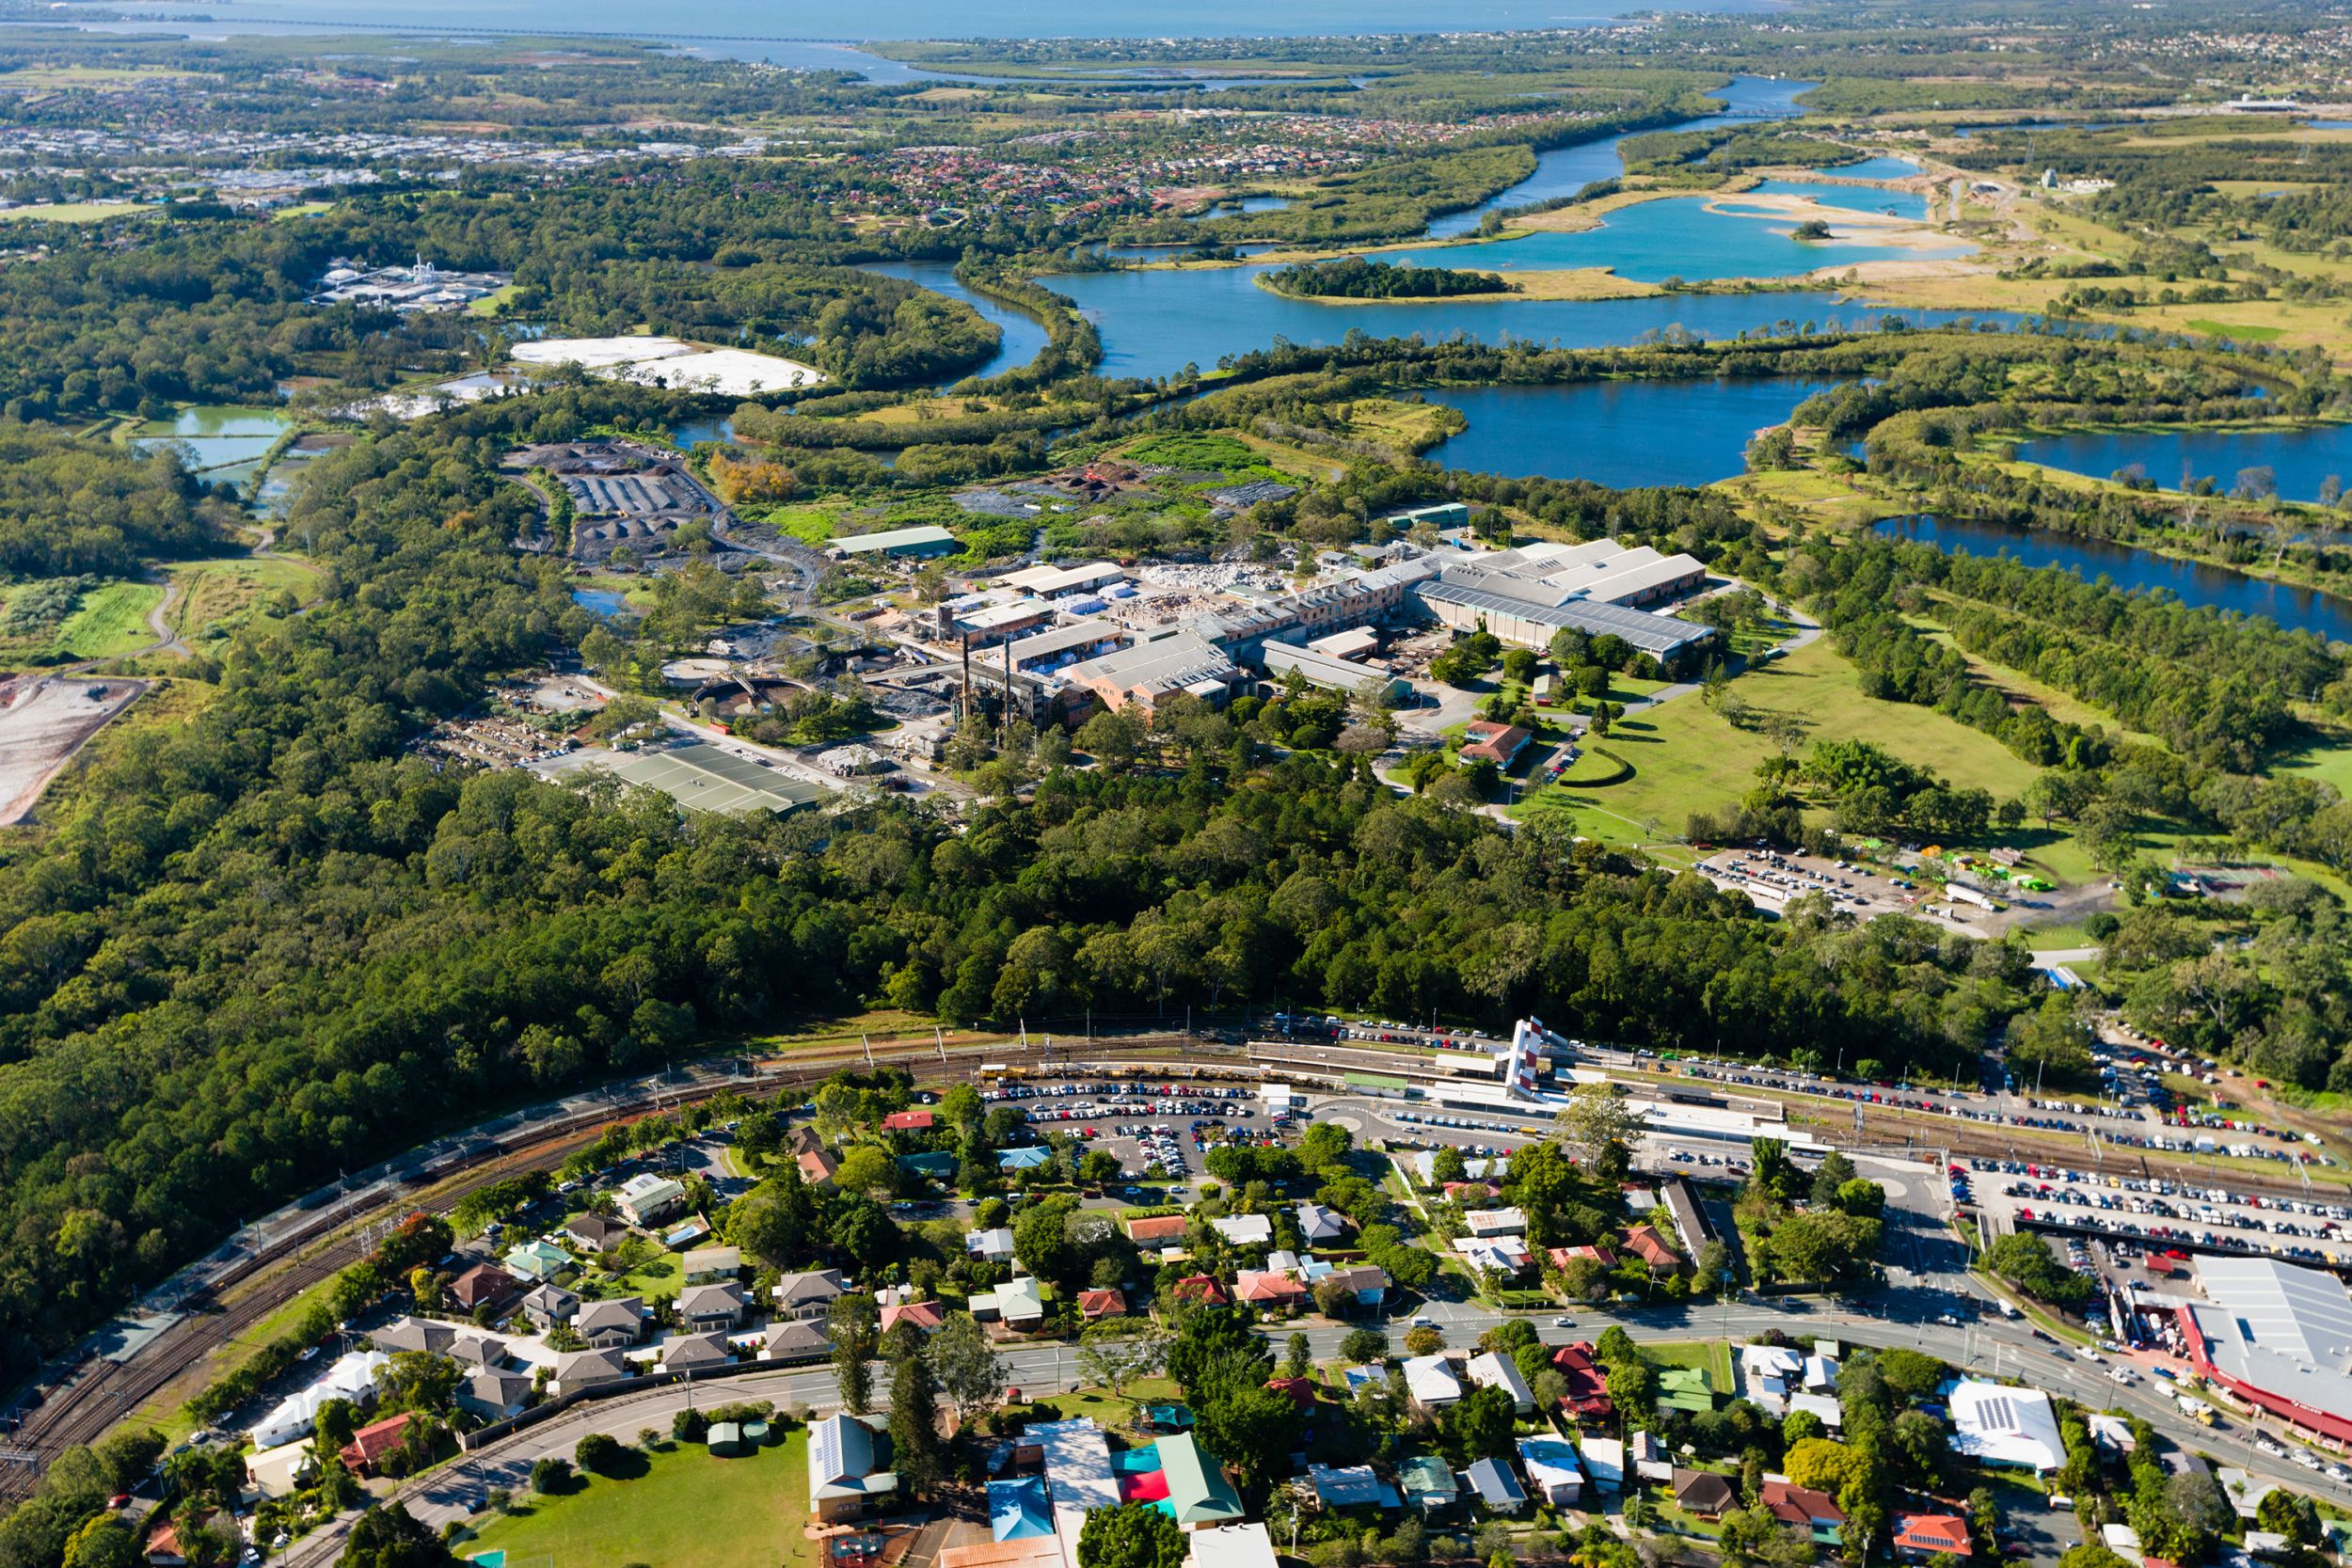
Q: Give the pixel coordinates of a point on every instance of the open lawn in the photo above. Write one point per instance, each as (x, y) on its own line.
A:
(1402, 426)
(1848, 500)
(687, 1511)
(2328, 759)
(70, 212)
(110, 621)
(1712, 1354)
(1686, 758)
(217, 595)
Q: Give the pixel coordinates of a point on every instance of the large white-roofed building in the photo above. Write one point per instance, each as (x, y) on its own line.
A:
(1995, 1424)
(2279, 1336)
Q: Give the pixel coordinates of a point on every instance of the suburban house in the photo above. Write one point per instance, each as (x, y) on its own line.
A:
(1158, 1230)
(1644, 1243)
(1495, 1222)
(280, 1471)
(710, 1309)
(990, 1246)
(792, 1340)
(494, 1396)
(1431, 1380)
(1269, 1288)
(844, 1478)
(1366, 1284)
(1357, 1486)
(908, 1121)
(1027, 1157)
(1685, 1388)
(1319, 1225)
(610, 1324)
(1553, 1469)
(1587, 1397)
(537, 1258)
(924, 1315)
(1244, 1229)
(1019, 1304)
(1204, 1289)
(1198, 1493)
(584, 1368)
(550, 1305)
(693, 1353)
(415, 1333)
(1920, 1536)
(594, 1232)
(371, 1443)
(809, 1295)
(1095, 1306)
(1498, 1491)
(1492, 1371)
(712, 1265)
(816, 1166)
(648, 1200)
(1604, 1462)
(1704, 1492)
(1806, 1509)
(484, 1284)
(1427, 1483)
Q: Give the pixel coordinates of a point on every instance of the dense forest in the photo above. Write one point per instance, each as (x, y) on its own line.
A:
(1353, 277)
(70, 507)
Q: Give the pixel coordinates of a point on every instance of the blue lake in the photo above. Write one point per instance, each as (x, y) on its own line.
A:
(1566, 171)
(1023, 336)
(1241, 205)
(1881, 168)
(1852, 198)
(2217, 587)
(693, 433)
(2300, 459)
(1673, 237)
(1153, 323)
(1621, 434)
(603, 601)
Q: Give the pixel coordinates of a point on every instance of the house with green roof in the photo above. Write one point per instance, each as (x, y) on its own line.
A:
(537, 1258)
(1427, 1482)
(1198, 1493)
(1685, 1388)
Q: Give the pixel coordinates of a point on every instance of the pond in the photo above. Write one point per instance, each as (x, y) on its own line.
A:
(2295, 609)
(602, 601)
(1566, 171)
(1239, 205)
(693, 433)
(1024, 335)
(214, 437)
(1621, 434)
(1156, 323)
(2300, 459)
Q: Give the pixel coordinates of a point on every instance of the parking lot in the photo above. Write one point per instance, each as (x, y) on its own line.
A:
(2144, 1219)
(1153, 1128)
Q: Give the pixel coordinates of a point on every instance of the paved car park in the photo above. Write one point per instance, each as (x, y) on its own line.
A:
(1166, 1126)
(2144, 1219)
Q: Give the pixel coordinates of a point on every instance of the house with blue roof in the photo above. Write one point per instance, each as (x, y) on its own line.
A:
(1028, 1157)
(1020, 1510)
(1498, 1491)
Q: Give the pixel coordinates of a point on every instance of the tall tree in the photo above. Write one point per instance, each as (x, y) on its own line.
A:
(966, 1366)
(914, 1446)
(854, 1322)
(1600, 1128)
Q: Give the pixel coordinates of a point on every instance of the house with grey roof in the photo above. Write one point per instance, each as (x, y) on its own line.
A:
(847, 1473)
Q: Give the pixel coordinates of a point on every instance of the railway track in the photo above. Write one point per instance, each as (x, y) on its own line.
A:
(99, 1393)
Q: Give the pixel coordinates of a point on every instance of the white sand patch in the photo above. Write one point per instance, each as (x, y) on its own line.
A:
(737, 372)
(599, 353)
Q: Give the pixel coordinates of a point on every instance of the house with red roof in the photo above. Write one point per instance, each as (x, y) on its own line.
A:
(371, 1443)
(1300, 1391)
(1815, 1512)
(1158, 1230)
(1644, 1243)
(1920, 1536)
(924, 1315)
(1095, 1306)
(1203, 1288)
(908, 1121)
(1272, 1288)
(1483, 740)
(1587, 1397)
(1560, 1256)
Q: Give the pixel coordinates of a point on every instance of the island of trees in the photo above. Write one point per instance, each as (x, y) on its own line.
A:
(1353, 277)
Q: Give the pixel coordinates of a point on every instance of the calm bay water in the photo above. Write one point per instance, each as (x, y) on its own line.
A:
(1673, 237)
(1156, 323)
(1881, 168)
(1852, 198)
(1621, 434)
(2297, 609)
(2301, 459)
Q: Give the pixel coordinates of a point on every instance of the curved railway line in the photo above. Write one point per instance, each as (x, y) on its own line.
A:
(99, 1392)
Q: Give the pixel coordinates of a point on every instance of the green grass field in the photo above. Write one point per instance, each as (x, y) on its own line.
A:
(110, 621)
(68, 212)
(687, 1511)
(1714, 1354)
(1686, 758)
(217, 595)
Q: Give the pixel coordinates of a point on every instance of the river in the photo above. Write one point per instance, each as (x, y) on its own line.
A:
(2301, 460)
(1610, 432)
(1024, 335)
(2192, 582)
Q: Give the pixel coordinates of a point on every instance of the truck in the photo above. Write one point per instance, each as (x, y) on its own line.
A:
(2195, 1410)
